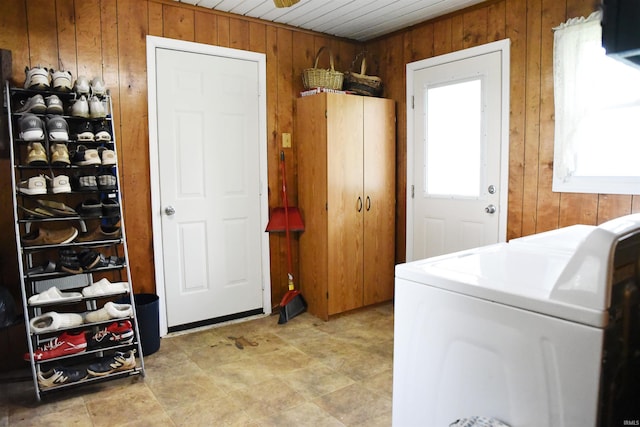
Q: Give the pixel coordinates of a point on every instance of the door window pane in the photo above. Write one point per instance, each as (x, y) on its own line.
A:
(454, 139)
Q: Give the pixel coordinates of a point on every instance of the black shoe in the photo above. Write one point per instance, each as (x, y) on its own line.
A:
(69, 261)
(89, 259)
(118, 362)
(60, 375)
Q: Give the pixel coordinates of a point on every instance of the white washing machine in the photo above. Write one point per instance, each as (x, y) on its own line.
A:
(541, 331)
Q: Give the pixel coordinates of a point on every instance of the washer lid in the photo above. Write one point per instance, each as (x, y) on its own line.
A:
(564, 273)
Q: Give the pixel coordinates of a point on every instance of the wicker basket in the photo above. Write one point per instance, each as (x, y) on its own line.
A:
(285, 3)
(360, 83)
(319, 77)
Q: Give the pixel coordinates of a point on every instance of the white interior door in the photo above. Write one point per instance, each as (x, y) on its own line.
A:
(458, 160)
(208, 204)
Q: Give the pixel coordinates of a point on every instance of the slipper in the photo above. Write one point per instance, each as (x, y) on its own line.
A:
(53, 295)
(111, 261)
(52, 321)
(103, 287)
(111, 310)
(38, 212)
(47, 267)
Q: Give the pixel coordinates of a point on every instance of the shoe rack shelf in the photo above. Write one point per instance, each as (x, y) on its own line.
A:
(66, 251)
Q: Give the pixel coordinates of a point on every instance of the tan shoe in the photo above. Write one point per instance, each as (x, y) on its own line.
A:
(60, 154)
(43, 236)
(36, 154)
(102, 232)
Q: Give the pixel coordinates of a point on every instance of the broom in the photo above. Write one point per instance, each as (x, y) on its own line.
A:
(292, 302)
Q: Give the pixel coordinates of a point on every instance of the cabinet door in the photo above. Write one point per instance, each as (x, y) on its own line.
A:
(345, 202)
(379, 195)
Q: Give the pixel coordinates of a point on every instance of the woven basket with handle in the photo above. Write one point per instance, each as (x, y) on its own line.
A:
(320, 77)
(360, 83)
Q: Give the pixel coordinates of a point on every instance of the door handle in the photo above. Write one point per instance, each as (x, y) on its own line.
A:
(490, 209)
(359, 204)
(368, 204)
(170, 210)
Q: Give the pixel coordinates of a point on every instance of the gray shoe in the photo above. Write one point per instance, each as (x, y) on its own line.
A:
(58, 129)
(35, 104)
(31, 128)
(54, 105)
(81, 87)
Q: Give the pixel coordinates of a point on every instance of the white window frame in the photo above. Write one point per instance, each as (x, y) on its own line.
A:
(567, 105)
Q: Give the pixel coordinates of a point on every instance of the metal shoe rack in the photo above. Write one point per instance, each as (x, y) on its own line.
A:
(30, 256)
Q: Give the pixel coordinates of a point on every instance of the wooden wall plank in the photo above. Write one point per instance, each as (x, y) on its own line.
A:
(109, 61)
(178, 23)
(224, 36)
(475, 28)
(43, 48)
(635, 204)
(238, 34)
(576, 208)
(516, 13)
(88, 38)
(156, 22)
(548, 203)
(206, 28)
(257, 37)
(613, 206)
(442, 37)
(67, 38)
(496, 21)
(421, 42)
(457, 32)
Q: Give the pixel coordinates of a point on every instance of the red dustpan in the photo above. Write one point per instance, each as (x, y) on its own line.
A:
(288, 219)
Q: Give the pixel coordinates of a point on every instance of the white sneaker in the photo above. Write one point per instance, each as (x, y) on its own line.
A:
(81, 87)
(33, 186)
(97, 87)
(61, 80)
(96, 108)
(111, 310)
(108, 157)
(37, 78)
(52, 321)
(80, 108)
(61, 184)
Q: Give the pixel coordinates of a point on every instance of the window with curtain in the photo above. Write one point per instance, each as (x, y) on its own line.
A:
(597, 114)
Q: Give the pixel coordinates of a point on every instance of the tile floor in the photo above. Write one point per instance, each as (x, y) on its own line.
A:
(305, 373)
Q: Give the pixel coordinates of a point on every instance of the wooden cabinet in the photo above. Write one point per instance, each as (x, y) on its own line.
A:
(346, 193)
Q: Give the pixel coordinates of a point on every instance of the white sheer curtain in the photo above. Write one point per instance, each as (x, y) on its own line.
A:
(597, 107)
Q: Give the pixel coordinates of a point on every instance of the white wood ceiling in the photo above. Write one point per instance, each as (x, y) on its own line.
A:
(354, 19)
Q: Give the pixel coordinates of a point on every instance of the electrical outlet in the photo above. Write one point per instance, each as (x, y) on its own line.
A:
(286, 140)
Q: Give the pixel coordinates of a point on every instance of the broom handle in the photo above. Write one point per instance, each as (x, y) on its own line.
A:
(285, 201)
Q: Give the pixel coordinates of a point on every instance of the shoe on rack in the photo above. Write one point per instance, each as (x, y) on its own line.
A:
(46, 267)
(107, 156)
(97, 87)
(53, 295)
(53, 321)
(54, 105)
(33, 186)
(65, 344)
(85, 183)
(96, 108)
(104, 287)
(69, 261)
(82, 86)
(61, 80)
(60, 184)
(110, 310)
(43, 236)
(80, 108)
(102, 232)
(116, 333)
(107, 181)
(35, 104)
(36, 154)
(90, 208)
(83, 156)
(110, 207)
(31, 128)
(57, 129)
(120, 361)
(60, 154)
(37, 78)
(84, 132)
(60, 375)
(102, 131)
(57, 208)
(89, 259)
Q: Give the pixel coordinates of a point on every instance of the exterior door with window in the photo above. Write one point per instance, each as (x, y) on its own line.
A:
(459, 164)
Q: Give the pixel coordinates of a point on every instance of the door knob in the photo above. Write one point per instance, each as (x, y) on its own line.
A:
(490, 209)
(170, 210)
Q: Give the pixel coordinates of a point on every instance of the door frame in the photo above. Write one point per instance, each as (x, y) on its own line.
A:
(502, 46)
(154, 43)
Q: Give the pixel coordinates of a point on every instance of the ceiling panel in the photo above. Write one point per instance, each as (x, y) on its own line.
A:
(360, 20)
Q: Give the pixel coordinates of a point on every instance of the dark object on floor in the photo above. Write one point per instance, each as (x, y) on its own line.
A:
(292, 304)
(7, 308)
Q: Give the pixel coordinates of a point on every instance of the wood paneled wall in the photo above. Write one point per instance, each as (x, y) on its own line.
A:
(533, 207)
(108, 38)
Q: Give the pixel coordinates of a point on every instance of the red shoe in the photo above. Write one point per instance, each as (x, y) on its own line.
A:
(66, 343)
(117, 333)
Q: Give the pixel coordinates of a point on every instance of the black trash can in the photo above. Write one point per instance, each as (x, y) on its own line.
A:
(148, 315)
